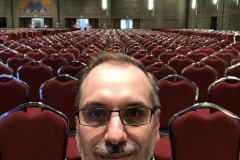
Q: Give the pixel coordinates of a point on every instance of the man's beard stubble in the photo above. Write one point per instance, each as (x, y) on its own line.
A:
(108, 148)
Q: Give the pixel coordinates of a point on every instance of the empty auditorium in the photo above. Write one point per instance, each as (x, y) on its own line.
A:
(119, 79)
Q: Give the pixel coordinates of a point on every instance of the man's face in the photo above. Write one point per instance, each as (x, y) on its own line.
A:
(113, 87)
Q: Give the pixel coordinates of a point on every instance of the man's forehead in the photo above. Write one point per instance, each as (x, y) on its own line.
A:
(116, 66)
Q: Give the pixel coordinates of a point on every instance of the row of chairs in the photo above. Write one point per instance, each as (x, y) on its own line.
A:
(202, 131)
(178, 93)
(59, 93)
(36, 131)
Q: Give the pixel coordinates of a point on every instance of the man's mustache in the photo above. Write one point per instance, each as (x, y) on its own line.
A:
(109, 148)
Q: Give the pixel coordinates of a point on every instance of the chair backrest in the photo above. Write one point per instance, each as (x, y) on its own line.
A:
(36, 54)
(202, 75)
(158, 50)
(17, 61)
(148, 60)
(73, 50)
(84, 58)
(225, 93)
(71, 68)
(33, 131)
(233, 70)
(183, 50)
(67, 55)
(175, 94)
(59, 93)
(7, 53)
(4, 69)
(235, 61)
(204, 131)
(23, 49)
(55, 61)
(139, 54)
(13, 92)
(179, 62)
(196, 55)
(160, 70)
(217, 63)
(49, 50)
(165, 56)
(34, 74)
(226, 55)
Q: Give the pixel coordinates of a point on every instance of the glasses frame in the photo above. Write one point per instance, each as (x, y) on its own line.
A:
(119, 111)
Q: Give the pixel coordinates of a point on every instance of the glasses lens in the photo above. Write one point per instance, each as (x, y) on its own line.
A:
(93, 117)
(136, 116)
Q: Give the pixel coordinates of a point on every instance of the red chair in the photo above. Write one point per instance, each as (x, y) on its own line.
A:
(227, 56)
(13, 92)
(34, 74)
(163, 149)
(71, 68)
(55, 61)
(207, 50)
(175, 94)
(148, 60)
(17, 61)
(14, 45)
(67, 55)
(160, 70)
(158, 50)
(33, 131)
(73, 50)
(72, 150)
(140, 54)
(79, 46)
(202, 75)
(23, 49)
(48, 50)
(59, 92)
(84, 58)
(233, 70)
(196, 55)
(183, 50)
(134, 49)
(179, 62)
(89, 51)
(36, 45)
(217, 63)
(4, 69)
(199, 134)
(235, 61)
(152, 46)
(5, 54)
(36, 54)
(225, 93)
(232, 50)
(165, 56)
(57, 46)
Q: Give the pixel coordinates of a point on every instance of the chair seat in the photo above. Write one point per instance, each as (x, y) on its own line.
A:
(163, 149)
(72, 151)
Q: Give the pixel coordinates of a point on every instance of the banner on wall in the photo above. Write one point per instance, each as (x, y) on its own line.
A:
(35, 6)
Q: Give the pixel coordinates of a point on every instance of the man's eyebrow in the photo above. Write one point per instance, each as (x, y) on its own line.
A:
(93, 105)
(137, 104)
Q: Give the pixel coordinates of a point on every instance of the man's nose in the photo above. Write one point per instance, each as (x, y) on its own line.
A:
(115, 130)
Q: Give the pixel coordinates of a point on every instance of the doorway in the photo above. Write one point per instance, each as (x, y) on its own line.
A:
(213, 23)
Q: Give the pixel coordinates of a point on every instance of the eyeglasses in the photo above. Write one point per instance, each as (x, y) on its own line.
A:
(130, 116)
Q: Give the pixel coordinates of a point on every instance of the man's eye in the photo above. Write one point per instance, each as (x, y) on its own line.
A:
(97, 113)
(133, 113)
